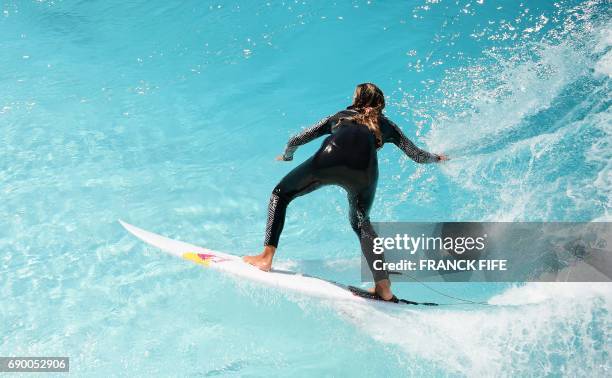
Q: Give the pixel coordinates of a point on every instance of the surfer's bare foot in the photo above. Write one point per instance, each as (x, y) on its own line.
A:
(262, 261)
(383, 289)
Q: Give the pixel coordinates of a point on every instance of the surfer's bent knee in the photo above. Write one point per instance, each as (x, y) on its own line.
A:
(280, 192)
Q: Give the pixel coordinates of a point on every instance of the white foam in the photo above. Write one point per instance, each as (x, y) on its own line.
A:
(604, 65)
(540, 292)
(538, 325)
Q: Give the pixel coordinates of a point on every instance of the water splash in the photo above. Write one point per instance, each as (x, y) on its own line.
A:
(529, 125)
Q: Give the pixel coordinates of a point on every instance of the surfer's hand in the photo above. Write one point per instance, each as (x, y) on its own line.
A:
(282, 158)
(442, 157)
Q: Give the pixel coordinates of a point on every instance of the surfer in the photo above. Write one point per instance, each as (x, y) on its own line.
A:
(346, 158)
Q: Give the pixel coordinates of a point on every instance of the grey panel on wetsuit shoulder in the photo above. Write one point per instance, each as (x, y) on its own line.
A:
(324, 126)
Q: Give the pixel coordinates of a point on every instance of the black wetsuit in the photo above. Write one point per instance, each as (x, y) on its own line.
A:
(346, 158)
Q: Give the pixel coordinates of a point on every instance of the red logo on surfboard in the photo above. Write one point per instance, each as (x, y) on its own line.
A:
(209, 257)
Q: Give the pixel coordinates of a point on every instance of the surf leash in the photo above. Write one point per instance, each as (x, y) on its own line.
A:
(465, 301)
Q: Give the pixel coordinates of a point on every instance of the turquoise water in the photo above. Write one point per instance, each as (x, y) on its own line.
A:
(169, 115)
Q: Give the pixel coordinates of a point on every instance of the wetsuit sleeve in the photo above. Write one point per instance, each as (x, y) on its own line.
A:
(313, 132)
(398, 138)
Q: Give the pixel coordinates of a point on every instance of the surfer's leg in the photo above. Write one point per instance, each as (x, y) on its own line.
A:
(299, 181)
(360, 203)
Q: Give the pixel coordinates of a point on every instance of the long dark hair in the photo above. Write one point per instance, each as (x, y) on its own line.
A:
(369, 101)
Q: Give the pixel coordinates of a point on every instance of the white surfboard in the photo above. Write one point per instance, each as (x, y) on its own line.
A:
(234, 265)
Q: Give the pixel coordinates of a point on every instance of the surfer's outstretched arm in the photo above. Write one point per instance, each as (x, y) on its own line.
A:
(313, 132)
(410, 149)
